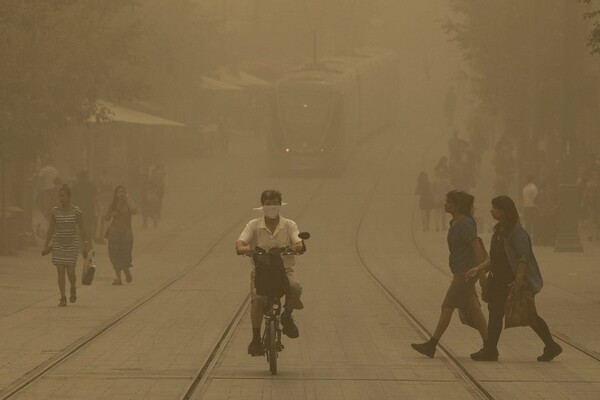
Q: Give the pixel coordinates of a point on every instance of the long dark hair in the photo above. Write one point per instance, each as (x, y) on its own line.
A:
(462, 200)
(115, 200)
(508, 207)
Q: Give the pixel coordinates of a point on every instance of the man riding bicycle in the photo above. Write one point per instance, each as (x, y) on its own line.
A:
(272, 231)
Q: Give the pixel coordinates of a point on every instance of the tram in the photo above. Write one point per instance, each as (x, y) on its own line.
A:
(322, 111)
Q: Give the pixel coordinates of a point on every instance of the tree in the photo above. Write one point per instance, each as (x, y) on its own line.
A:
(593, 15)
(58, 58)
(524, 59)
(177, 44)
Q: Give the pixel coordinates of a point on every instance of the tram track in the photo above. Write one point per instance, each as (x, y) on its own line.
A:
(42, 369)
(151, 244)
(33, 375)
(476, 387)
(196, 387)
(471, 383)
(430, 260)
(473, 386)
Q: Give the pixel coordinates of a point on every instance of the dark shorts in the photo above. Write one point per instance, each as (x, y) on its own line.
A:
(461, 293)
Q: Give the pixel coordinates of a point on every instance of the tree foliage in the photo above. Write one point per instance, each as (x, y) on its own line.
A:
(60, 56)
(177, 44)
(523, 56)
(593, 38)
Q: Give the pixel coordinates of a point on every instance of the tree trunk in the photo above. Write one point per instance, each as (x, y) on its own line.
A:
(3, 207)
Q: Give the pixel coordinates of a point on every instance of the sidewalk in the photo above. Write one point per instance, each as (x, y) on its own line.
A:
(34, 329)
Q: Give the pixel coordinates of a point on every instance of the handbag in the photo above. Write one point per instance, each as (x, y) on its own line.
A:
(519, 309)
(89, 268)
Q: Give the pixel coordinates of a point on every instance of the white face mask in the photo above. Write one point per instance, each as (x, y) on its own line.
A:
(271, 211)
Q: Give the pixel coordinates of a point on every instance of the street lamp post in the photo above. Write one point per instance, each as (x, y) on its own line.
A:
(567, 238)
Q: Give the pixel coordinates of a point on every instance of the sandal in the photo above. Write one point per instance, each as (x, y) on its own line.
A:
(73, 297)
(63, 301)
(117, 282)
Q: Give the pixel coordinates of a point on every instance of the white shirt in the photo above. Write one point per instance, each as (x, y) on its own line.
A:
(256, 234)
(530, 192)
(47, 175)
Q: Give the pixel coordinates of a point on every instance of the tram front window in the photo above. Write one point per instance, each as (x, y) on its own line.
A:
(305, 118)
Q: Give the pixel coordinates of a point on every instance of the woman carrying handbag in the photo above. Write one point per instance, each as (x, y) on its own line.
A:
(66, 228)
(514, 278)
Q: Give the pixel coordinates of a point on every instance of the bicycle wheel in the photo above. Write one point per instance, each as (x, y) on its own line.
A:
(272, 347)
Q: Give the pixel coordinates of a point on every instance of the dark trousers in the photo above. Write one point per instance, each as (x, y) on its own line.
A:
(530, 214)
(498, 293)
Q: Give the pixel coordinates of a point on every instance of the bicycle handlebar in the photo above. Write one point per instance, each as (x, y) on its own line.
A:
(282, 251)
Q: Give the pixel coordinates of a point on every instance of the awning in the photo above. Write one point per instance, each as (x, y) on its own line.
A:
(118, 113)
(215, 84)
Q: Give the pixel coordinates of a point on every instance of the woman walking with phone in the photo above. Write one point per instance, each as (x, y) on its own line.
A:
(120, 233)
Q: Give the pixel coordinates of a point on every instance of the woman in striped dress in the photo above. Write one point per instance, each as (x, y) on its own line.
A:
(120, 234)
(66, 226)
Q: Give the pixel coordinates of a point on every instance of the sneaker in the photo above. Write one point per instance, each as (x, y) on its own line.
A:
(73, 297)
(63, 301)
(485, 354)
(550, 352)
(289, 327)
(255, 348)
(427, 348)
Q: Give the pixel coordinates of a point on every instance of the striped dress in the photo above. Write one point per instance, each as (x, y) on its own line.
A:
(65, 241)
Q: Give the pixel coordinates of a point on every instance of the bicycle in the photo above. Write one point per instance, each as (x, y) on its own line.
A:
(269, 267)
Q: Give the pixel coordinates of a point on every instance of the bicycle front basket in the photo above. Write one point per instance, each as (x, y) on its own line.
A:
(270, 279)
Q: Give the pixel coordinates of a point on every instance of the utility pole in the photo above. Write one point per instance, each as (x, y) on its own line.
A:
(567, 238)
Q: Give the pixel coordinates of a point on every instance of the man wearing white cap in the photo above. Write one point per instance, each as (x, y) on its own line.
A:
(272, 231)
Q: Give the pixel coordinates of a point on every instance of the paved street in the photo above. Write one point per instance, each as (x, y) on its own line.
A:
(354, 340)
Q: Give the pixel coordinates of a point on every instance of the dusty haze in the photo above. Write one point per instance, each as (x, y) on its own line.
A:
(166, 120)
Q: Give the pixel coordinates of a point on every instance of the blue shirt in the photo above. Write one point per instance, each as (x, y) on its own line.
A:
(460, 236)
(518, 249)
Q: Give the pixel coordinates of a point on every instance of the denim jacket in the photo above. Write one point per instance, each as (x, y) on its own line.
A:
(518, 248)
